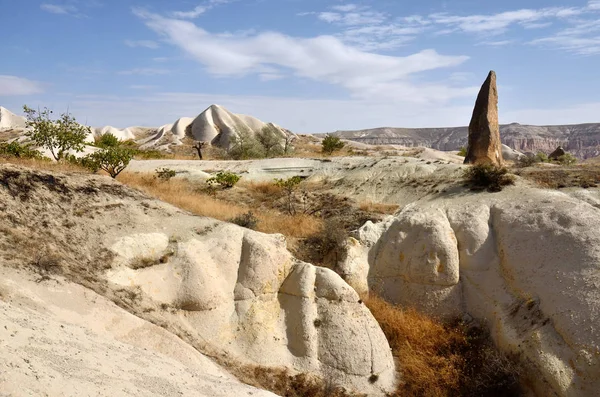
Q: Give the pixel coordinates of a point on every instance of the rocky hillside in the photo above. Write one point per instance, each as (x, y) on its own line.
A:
(583, 140)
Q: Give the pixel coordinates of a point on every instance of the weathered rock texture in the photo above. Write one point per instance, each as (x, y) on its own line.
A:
(231, 293)
(524, 261)
(581, 140)
(484, 145)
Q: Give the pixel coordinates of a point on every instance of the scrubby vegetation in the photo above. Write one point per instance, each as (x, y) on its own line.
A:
(15, 149)
(488, 177)
(331, 144)
(224, 179)
(443, 359)
(112, 160)
(462, 152)
(165, 174)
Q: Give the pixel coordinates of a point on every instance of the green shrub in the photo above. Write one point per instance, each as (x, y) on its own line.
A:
(567, 159)
(332, 143)
(541, 157)
(462, 152)
(107, 140)
(165, 173)
(271, 141)
(15, 149)
(58, 136)
(225, 179)
(247, 220)
(488, 177)
(113, 160)
(243, 145)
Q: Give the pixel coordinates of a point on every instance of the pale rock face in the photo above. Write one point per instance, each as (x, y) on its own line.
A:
(525, 262)
(511, 154)
(244, 293)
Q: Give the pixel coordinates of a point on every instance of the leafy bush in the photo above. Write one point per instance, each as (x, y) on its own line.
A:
(112, 160)
(487, 176)
(107, 140)
(462, 151)
(14, 149)
(567, 159)
(247, 220)
(165, 173)
(332, 143)
(59, 136)
(541, 157)
(225, 179)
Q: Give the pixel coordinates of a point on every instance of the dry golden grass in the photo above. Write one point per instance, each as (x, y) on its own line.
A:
(421, 345)
(439, 360)
(379, 208)
(188, 196)
(44, 165)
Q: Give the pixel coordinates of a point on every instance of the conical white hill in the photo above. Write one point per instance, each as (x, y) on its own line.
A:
(217, 125)
(9, 120)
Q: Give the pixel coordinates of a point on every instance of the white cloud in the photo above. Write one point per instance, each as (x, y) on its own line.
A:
(13, 85)
(65, 9)
(144, 72)
(582, 39)
(323, 59)
(142, 43)
(142, 87)
(594, 5)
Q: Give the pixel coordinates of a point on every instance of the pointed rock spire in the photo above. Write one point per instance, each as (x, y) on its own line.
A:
(484, 132)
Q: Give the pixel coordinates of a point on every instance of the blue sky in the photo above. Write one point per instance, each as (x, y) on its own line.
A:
(308, 65)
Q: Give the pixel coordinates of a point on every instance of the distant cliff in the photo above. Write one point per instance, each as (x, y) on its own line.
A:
(582, 140)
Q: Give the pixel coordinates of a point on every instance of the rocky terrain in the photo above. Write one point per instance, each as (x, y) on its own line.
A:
(582, 140)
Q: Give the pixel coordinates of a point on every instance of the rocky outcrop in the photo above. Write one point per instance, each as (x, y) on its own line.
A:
(526, 267)
(581, 140)
(231, 293)
(557, 153)
(484, 145)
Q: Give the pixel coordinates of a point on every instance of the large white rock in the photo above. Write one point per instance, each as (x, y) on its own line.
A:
(525, 261)
(244, 293)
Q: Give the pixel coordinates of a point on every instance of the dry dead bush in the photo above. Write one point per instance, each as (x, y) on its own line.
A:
(379, 208)
(185, 195)
(443, 360)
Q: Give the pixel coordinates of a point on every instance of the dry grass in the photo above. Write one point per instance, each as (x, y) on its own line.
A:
(188, 196)
(45, 165)
(379, 208)
(443, 360)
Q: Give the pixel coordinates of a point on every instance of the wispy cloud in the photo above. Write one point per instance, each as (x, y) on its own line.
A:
(366, 28)
(13, 85)
(142, 43)
(323, 59)
(199, 10)
(64, 9)
(144, 72)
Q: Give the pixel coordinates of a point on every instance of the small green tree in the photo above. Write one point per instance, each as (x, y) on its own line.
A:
(462, 152)
(107, 140)
(289, 186)
(332, 143)
(112, 160)
(270, 140)
(59, 136)
(165, 174)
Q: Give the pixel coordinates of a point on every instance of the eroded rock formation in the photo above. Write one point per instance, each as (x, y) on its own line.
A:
(484, 145)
